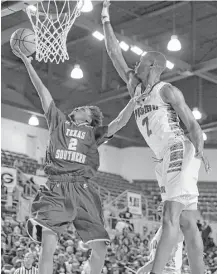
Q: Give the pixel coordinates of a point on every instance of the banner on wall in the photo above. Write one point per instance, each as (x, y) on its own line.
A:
(8, 183)
(8, 177)
(14, 183)
(134, 202)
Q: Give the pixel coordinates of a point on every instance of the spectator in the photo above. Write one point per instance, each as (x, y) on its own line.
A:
(19, 255)
(206, 230)
(127, 215)
(7, 229)
(17, 230)
(18, 164)
(120, 226)
(33, 249)
(4, 242)
(61, 265)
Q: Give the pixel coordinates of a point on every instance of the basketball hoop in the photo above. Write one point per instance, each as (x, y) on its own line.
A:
(51, 25)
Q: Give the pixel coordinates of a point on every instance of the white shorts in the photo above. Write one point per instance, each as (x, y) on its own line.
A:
(167, 271)
(177, 174)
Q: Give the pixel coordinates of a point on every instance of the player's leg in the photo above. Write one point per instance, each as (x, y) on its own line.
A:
(168, 176)
(48, 247)
(90, 226)
(188, 219)
(51, 219)
(170, 231)
(97, 258)
(193, 240)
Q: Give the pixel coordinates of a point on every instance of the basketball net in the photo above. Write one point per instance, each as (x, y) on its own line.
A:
(51, 30)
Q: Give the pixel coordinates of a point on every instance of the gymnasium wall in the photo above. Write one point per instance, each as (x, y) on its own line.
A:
(137, 163)
(15, 137)
(131, 163)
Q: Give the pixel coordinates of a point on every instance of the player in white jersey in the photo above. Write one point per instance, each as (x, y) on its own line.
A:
(174, 264)
(179, 157)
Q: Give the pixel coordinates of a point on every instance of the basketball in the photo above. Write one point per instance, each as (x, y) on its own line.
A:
(25, 40)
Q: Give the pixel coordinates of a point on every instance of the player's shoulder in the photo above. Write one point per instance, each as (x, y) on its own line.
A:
(170, 93)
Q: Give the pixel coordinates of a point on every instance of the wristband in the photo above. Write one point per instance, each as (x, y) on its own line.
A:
(105, 19)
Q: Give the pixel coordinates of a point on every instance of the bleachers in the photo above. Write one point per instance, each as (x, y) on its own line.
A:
(116, 185)
(29, 165)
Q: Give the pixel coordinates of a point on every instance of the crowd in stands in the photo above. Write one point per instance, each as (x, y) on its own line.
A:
(127, 249)
(71, 256)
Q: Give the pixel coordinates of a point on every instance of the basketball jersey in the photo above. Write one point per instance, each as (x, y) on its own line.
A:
(175, 262)
(72, 147)
(157, 120)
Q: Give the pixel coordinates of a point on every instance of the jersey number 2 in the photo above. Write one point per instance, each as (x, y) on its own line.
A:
(146, 122)
(73, 144)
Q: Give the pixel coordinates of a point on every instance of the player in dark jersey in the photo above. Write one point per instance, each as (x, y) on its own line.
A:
(72, 158)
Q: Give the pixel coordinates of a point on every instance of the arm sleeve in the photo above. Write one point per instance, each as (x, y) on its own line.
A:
(101, 135)
(54, 116)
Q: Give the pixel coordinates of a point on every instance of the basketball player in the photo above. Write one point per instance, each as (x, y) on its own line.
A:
(175, 261)
(157, 116)
(71, 159)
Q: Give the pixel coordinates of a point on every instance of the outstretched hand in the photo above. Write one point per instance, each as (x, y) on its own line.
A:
(106, 4)
(105, 11)
(206, 164)
(205, 161)
(21, 55)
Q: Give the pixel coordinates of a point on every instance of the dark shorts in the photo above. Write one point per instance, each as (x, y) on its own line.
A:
(64, 201)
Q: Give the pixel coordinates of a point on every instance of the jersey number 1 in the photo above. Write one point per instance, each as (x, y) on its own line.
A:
(146, 122)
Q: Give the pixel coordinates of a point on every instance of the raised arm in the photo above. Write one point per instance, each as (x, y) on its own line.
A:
(43, 92)
(173, 96)
(122, 119)
(114, 50)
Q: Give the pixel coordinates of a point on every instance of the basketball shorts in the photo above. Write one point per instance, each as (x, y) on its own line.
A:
(177, 174)
(67, 200)
(168, 271)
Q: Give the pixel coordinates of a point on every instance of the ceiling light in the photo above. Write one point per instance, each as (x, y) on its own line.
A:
(174, 44)
(144, 53)
(124, 46)
(33, 121)
(77, 73)
(169, 65)
(136, 50)
(88, 6)
(98, 35)
(204, 136)
(197, 114)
